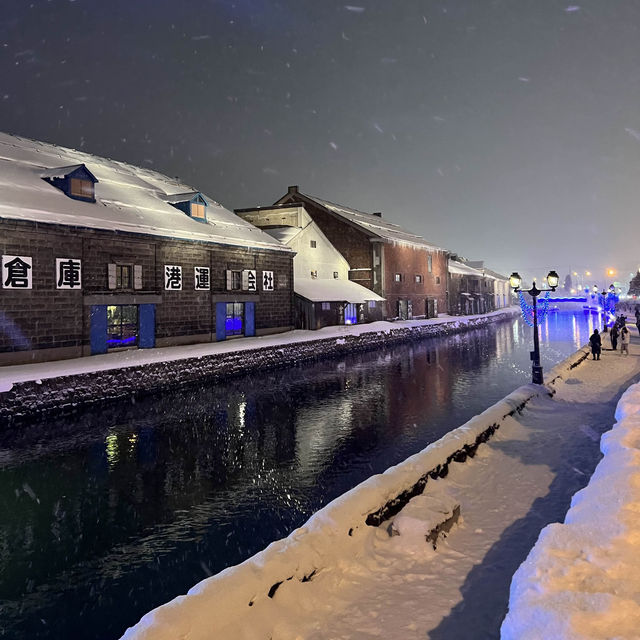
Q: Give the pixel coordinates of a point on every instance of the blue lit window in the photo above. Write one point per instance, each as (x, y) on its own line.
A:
(350, 314)
(122, 325)
(234, 323)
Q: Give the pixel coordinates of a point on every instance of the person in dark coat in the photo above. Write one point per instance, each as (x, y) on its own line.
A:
(596, 344)
(613, 334)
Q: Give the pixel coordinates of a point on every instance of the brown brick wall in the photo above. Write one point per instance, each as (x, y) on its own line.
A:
(410, 261)
(46, 317)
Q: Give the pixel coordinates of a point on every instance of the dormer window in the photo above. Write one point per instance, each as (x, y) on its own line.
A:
(81, 188)
(197, 211)
(76, 181)
(191, 203)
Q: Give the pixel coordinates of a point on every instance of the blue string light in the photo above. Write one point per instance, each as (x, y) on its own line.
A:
(527, 309)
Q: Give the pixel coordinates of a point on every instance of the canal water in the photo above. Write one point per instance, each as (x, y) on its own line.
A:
(114, 511)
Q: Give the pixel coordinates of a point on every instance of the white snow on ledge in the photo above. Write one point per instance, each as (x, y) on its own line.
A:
(236, 602)
(13, 374)
(582, 578)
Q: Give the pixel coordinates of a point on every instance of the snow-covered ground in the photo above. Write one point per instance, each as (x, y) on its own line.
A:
(10, 375)
(336, 578)
(582, 578)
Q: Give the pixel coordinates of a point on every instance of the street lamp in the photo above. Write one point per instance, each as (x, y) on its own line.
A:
(552, 280)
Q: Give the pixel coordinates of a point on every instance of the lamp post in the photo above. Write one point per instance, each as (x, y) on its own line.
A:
(552, 280)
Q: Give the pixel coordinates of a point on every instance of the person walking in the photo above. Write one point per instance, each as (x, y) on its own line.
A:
(613, 335)
(596, 344)
(624, 341)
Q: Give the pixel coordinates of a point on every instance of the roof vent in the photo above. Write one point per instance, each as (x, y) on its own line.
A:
(293, 189)
(378, 213)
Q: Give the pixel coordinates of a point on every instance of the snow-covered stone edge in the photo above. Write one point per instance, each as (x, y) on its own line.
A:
(581, 578)
(126, 374)
(335, 530)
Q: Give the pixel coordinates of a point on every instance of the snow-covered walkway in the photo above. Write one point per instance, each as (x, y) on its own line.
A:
(400, 587)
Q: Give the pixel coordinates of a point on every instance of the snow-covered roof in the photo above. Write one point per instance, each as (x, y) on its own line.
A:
(283, 234)
(333, 290)
(460, 268)
(181, 197)
(129, 199)
(375, 225)
(495, 275)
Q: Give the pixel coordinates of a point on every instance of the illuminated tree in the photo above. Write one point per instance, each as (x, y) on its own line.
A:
(634, 285)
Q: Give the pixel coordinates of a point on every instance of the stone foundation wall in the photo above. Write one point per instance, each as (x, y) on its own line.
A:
(66, 393)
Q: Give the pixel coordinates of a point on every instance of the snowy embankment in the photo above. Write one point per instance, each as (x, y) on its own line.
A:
(50, 386)
(582, 578)
(241, 602)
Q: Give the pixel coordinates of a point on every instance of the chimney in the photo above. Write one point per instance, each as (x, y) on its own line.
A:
(378, 213)
(292, 190)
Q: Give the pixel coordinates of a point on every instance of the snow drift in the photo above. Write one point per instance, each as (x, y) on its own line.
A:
(581, 579)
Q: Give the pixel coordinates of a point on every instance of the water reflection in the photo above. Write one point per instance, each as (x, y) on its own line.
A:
(113, 511)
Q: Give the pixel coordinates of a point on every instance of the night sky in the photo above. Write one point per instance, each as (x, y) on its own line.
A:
(507, 131)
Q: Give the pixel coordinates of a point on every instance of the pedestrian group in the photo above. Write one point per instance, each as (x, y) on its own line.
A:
(617, 332)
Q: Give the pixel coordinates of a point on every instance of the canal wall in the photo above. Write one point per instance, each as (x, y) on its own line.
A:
(23, 400)
(242, 601)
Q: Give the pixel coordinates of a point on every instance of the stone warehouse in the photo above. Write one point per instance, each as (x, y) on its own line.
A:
(400, 266)
(97, 255)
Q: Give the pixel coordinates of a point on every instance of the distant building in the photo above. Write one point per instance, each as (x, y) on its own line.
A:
(98, 255)
(496, 282)
(401, 267)
(324, 295)
(470, 292)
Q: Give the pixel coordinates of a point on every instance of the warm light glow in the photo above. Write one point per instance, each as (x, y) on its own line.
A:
(575, 273)
(553, 279)
(515, 280)
(587, 273)
(611, 272)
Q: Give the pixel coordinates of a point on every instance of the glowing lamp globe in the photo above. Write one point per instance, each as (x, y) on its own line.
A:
(553, 279)
(515, 280)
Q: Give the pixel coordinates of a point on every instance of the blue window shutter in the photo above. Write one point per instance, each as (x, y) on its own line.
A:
(98, 329)
(221, 318)
(250, 319)
(147, 337)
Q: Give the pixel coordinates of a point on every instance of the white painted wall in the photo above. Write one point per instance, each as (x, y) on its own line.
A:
(324, 258)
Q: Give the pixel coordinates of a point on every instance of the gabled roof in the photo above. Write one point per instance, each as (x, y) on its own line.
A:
(63, 172)
(373, 225)
(283, 234)
(460, 268)
(128, 198)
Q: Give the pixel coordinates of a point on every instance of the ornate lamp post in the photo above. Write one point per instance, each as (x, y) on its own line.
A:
(552, 280)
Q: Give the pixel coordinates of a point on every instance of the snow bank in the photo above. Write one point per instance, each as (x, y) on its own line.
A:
(582, 578)
(242, 601)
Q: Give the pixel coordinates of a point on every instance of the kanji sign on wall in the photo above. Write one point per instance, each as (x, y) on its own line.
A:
(172, 277)
(203, 278)
(16, 272)
(68, 273)
(267, 280)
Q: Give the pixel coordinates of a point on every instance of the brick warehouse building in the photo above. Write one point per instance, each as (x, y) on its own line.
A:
(402, 267)
(99, 255)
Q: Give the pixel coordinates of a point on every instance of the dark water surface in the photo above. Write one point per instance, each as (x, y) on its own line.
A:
(115, 511)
